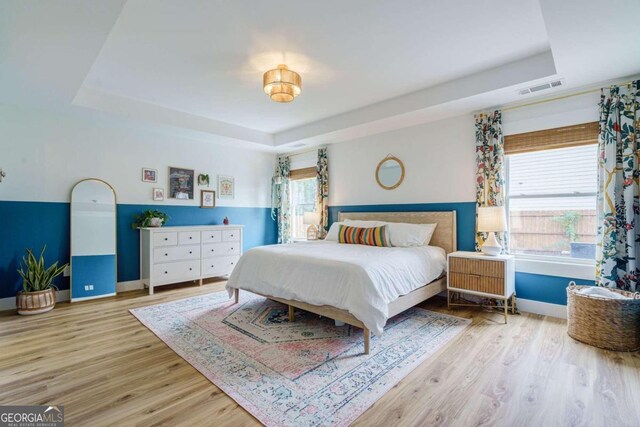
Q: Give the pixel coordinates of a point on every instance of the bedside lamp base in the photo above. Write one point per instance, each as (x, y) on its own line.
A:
(491, 246)
(312, 233)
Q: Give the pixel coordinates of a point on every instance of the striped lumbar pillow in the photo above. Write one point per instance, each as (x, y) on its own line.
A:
(373, 236)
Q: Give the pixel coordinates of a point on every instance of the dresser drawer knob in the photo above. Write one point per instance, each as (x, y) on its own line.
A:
(213, 250)
(190, 252)
(190, 268)
(166, 254)
(166, 238)
(231, 263)
(232, 235)
(231, 248)
(211, 265)
(190, 237)
(166, 272)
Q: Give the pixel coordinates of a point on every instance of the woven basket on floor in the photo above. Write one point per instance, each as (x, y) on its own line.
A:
(612, 324)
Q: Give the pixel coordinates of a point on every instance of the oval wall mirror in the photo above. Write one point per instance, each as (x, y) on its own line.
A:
(93, 240)
(390, 172)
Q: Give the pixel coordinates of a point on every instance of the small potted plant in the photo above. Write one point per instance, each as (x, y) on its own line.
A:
(150, 218)
(203, 179)
(38, 292)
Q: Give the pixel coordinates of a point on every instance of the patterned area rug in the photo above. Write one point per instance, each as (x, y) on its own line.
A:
(305, 373)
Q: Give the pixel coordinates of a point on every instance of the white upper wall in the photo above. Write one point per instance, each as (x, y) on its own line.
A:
(44, 154)
(439, 161)
(549, 115)
(439, 157)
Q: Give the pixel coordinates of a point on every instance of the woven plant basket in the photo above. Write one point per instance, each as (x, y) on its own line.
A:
(612, 324)
(29, 303)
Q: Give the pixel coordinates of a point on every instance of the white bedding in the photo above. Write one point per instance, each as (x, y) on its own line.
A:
(360, 279)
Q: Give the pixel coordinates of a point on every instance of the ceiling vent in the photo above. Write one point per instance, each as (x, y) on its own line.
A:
(539, 88)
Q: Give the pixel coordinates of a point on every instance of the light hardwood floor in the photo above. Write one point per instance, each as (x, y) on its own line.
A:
(107, 369)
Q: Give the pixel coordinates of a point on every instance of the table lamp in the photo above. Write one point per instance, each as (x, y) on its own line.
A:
(492, 219)
(312, 219)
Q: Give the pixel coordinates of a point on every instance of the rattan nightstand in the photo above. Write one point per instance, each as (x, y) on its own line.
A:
(478, 274)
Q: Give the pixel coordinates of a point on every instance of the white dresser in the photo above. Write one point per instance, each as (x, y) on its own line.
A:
(179, 254)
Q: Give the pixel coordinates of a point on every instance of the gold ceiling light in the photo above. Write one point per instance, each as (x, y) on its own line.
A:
(282, 84)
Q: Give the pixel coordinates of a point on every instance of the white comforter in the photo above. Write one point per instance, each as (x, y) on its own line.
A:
(360, 279)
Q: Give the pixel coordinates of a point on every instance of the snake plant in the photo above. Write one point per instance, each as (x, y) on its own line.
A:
(35, 277)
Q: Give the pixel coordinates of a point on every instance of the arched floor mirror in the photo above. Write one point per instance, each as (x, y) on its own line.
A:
(93, 240)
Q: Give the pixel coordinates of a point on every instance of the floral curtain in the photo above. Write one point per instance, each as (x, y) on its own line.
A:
(490, 181)
(322, 203)
(618, 235)
(280, 185)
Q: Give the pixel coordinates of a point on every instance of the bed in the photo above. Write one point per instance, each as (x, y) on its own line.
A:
(359, 285)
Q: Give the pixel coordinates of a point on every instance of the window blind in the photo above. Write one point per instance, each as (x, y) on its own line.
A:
(303, 173)
(563, 179)
(563, 137)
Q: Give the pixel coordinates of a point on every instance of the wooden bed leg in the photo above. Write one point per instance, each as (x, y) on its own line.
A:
(236, 294)
(506, 309)
(200, 284)
(291, 317)
(367, 338)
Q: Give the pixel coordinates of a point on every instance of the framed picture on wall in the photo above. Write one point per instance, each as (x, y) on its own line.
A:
(181, 183)
(158, 194)
(207, 199)
(226, 187)
(149, 175)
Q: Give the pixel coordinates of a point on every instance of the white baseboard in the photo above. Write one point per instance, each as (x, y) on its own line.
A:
(543, 308)
(10, 302)
(64, 295)
(94, 297)
(131, 285)
(526, 305)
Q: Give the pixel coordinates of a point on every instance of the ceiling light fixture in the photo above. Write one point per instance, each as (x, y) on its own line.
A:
(282, 84)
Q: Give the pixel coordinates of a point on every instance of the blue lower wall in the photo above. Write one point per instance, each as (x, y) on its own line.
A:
(34, 224)
(31, 225)
(537, 287)
(551, 289)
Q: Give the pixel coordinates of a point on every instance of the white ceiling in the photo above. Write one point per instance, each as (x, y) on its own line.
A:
(350, 53)
(367, 66)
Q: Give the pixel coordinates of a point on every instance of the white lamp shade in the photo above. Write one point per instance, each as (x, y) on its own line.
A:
(311, 218)
(492, 218)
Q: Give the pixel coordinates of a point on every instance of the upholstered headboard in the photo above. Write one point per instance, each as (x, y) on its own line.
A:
(444, 236)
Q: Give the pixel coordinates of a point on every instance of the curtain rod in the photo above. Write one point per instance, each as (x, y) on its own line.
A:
(558, 98)
(300, 153)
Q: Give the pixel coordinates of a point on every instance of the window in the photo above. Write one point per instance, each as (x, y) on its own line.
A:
(303, 199)
(551, 199)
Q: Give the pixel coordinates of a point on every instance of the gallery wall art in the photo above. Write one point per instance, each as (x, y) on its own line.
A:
(226, 187)
(181, 182)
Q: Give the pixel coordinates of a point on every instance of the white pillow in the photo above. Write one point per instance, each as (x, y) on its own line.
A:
(332, 234)
(405, 235)
(362, 223)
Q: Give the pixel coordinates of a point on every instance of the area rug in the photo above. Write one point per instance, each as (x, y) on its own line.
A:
(305, 373)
